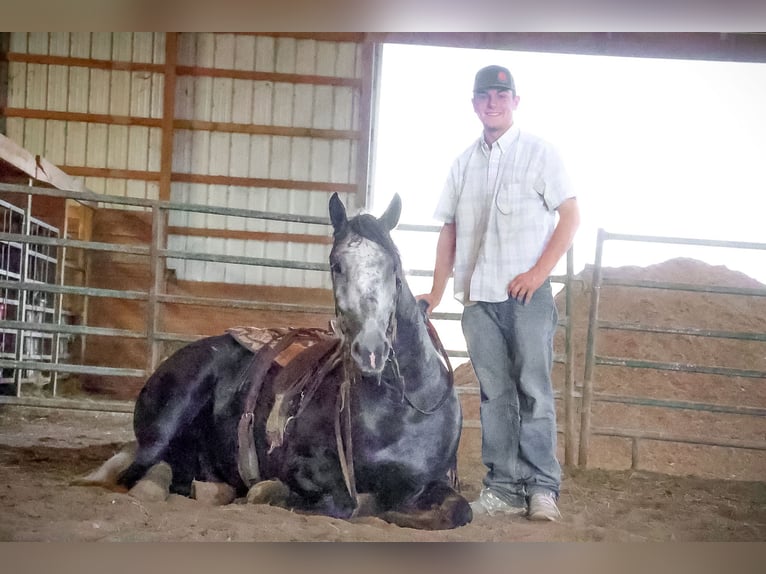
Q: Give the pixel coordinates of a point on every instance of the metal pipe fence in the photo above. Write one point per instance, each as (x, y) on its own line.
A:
(593, 359)
(154, 297)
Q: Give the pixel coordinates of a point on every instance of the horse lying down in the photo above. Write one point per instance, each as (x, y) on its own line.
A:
(360, 420)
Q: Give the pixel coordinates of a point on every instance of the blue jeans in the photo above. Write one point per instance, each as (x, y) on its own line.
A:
(511, 349)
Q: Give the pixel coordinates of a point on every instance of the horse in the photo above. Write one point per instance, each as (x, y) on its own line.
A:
(358, 420)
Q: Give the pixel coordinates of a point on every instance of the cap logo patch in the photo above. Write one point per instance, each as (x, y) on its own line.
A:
(502, 77)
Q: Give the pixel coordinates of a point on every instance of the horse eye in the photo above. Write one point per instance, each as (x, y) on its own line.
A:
(335, 269)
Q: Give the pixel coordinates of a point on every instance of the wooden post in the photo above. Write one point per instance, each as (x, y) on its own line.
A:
(159, 216)
(168, 114)
(5, 42)
(367, 100)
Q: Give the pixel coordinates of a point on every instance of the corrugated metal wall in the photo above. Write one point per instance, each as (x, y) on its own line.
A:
(266, 122)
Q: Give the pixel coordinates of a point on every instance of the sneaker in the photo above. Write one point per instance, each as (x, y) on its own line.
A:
(489, 503)
(542, 506)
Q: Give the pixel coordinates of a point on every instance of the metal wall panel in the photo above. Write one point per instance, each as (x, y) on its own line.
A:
(269, 108)
(79, 89)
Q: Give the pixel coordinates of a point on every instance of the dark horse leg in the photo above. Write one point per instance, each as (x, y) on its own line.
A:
(173, 419)
(437, 507)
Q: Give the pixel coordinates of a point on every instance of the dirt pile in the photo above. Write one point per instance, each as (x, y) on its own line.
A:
(708, 311)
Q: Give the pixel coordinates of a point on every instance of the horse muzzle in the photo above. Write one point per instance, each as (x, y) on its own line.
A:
(370, 353)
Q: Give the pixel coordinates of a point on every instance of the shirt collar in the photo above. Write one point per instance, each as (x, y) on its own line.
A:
(503, 142)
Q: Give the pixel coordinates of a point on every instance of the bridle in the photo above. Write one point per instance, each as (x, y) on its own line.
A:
(343, 401)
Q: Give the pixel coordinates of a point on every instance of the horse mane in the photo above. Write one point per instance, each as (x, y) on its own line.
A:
(368, 226)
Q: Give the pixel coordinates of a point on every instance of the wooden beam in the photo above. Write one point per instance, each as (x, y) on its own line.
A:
(366, 102)
(267, 76)
(255, 129)
(84, 62)
(35, 166)
(168, 114)
(266, 183)
(735, 47)
(81, 117)
(5, 42)
(195, 125)
(329, 187)
(85, 171)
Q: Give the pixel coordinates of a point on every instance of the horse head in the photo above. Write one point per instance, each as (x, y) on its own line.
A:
(366, 278)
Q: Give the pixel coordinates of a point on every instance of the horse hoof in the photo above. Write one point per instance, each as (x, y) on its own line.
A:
(271, 492)
(215, 493)
(155, 486)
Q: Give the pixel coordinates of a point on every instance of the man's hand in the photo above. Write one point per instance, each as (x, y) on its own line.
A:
(430, 299)
(523, 286)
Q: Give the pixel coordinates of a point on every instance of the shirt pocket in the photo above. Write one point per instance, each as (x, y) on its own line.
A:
(517, 197)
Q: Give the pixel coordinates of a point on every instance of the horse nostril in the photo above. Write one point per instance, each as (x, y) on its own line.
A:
(370, 357)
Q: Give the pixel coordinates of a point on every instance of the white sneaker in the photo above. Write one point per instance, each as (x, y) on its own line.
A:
(542, 506)
(489, 503)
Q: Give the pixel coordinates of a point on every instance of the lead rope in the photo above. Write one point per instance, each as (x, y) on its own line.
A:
(343, 435)
(451, 376)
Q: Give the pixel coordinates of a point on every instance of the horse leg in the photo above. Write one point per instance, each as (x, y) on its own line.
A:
(106, 475)
(438, 507)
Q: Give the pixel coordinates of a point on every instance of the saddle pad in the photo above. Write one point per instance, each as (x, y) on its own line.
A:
(255, 338)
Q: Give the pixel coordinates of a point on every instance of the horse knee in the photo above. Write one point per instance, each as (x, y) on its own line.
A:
(271, 492)
(155, 485)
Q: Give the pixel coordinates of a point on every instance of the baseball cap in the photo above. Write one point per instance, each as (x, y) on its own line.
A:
(495, 77)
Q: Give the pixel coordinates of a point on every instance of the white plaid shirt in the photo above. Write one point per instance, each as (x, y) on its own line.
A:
(503, 201)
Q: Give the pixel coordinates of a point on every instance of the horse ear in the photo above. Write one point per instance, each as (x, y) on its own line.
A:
(391, 216)
(337, 213)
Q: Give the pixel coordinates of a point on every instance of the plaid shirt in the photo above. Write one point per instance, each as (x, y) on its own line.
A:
(503, 201)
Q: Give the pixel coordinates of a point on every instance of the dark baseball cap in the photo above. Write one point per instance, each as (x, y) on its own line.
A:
(494, 77)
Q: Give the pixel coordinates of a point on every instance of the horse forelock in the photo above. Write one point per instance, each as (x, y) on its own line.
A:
(368, 227)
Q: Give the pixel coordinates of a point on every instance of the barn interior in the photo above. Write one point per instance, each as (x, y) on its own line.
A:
(172, 185)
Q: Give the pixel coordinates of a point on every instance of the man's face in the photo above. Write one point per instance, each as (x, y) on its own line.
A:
(495, 109)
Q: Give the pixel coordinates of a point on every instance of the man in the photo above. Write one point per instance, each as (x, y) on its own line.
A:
(502, 239)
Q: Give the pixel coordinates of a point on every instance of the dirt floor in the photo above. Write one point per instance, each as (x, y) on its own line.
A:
(682, 492)
(42, 450)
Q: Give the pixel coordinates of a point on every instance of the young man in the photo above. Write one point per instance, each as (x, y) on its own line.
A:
(502, 239)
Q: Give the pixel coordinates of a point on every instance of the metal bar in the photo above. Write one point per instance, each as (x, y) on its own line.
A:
(569, 383)
(684, 241)
(21, 308)
(590, 352)
(59, 303)
(618, 326)
(667, 437)
(244, 304)
(686, 287)
(75, 369)
(76, 404)
(156, 265)
(68, 290)
(76, 244)
(682, 367)
(243, 260)
(73, 329)
(92, 197)
(674, 404)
